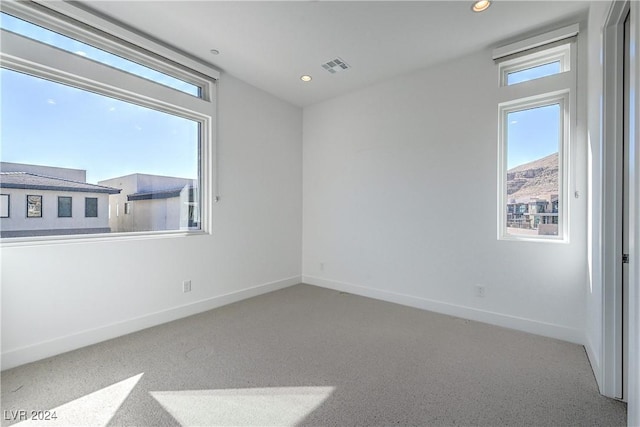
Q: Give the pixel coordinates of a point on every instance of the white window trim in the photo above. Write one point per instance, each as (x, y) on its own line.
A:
(29, 56)
(557, 88)
(537, 41)
(8, 196)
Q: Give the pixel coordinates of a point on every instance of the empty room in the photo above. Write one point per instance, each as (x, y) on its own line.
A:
(372, 213)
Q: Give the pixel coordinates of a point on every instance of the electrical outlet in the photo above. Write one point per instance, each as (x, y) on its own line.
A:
(480, 291)
(186, 286)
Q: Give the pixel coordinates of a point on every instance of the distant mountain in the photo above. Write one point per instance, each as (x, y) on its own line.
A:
(533, 179)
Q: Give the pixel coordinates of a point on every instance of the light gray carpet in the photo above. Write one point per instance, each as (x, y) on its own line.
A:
(311, 356)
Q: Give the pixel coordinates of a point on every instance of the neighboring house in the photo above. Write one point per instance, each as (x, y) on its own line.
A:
(45, 201)
(152, 203)
(535, 213)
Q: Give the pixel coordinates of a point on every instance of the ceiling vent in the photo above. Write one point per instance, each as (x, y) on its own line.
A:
(335, 65)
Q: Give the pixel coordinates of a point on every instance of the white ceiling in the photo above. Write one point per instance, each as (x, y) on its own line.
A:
(271, 44)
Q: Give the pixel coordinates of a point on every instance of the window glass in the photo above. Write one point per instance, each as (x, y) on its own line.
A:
(34, 206)
(533, 73)
(64, 207)
(91, 207)
(533, 183)
(68, 44)
(103, 145)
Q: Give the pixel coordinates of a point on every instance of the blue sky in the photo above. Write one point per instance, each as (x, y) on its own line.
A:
(532, 134)
(46, 123)
(51, 124)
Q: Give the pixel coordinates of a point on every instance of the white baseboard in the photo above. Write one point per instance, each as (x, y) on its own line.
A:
(31, 353)
(551, 330)
(594, 360)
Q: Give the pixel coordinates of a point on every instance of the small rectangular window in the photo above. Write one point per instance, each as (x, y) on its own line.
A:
(5, 205)
(536, 65)
(34, 206)
(127, 208)
(64, 207)
(91, 207)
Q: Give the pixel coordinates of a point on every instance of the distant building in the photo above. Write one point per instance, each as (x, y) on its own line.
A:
(47, 201)
(535, 213)
(152, 203)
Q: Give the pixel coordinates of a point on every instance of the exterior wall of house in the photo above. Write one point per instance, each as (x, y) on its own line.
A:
(147, 215)
(19, 225)
(154, 215)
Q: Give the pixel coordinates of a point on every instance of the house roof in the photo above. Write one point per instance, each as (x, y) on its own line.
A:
(160, 194)
(32, 181)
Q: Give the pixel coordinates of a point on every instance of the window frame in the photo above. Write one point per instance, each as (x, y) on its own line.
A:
(563, 99)
(70, 207)
(86, 207)
(28, 203)
(37, 59)
(8, 196)
(556, 88)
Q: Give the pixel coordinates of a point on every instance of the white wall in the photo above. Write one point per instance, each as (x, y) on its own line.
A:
(56, 297)
(400, 203)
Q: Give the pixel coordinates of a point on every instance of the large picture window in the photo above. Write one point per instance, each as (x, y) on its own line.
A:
(115, 122)
(535, 142)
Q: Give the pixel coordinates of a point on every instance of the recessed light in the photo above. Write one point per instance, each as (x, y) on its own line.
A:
(306, 78)
(481, 5)
(214, 51)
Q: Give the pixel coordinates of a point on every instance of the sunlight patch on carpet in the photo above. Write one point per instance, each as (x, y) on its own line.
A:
(282, 406)
(95, 409)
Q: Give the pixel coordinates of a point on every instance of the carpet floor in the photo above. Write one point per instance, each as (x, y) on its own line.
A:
(310, 356)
